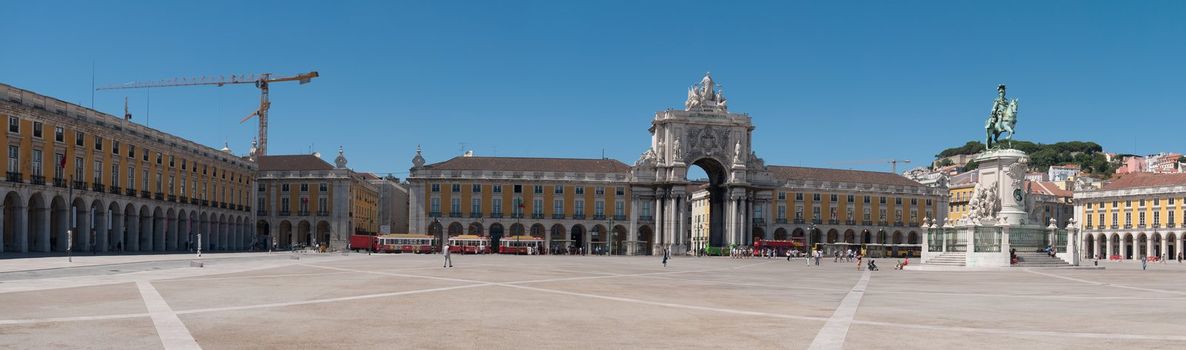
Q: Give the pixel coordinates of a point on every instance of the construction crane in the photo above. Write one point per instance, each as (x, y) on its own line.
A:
(261, 81)
(893, 163)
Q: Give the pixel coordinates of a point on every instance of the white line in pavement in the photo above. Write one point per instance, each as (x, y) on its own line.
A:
(71, 319)
(832, 335)
(1026, 332)
(672, 305)
(172, 331)
(1106, 284)
(329, 300)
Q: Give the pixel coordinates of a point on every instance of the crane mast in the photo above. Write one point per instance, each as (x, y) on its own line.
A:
(261, 82)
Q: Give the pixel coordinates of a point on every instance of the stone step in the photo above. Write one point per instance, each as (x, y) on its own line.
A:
(948, 259)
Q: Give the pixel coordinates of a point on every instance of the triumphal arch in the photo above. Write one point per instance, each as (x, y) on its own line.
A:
(707, 135)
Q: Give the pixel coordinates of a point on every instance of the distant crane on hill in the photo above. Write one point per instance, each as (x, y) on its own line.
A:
(261, 81)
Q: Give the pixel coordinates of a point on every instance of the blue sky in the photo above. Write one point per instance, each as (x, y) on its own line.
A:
(831, 84)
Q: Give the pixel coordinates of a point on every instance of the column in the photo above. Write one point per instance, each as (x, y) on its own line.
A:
(21, 227)
(1148, 245)
(83, 233)
(43, 233)
(632, 231)
(62, 217)
(100, 229)
(1164, 245)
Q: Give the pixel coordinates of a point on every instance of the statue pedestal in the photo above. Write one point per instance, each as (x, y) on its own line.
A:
(1005, 169)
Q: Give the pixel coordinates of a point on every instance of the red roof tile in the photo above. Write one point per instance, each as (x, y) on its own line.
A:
(532, 164)
(292, 162)
(1135, 180)
(787, 173)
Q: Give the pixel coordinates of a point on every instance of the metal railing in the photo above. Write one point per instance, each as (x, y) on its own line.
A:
(59, 182)
(37, 180)
(14, 176)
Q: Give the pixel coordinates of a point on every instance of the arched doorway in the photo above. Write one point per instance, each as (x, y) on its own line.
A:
(59, 222)
(475, 228)
(285, 234)
(1089, 245)
(323, 231)
(833, 236)
(1142, 247)
(1171, 245)
(780, 234)
(716, 174)
(1156, 240)
(646, 240)
(559, 242)
(912, 238)
(13, 210)
(537, 231)
(850, 237)
(577, 238)
(758, 234)
(517, 229)
(265, 232)
(455, 229)
(619, 240)
(597, 239)
(305, 234)
(1128, 248)
(496, 233)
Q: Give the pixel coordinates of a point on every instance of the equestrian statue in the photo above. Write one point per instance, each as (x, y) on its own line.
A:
(1002, 119)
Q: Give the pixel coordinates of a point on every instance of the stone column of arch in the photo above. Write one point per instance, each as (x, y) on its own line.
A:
(1164, 246)
(99, 218)
(61, 221)
(680, 219)
(82, 233)
(632, 232)
(159, 236)
(1148, 245)
(20, 225)
(657, 234)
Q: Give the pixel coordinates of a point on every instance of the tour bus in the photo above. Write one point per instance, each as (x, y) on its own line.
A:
(877, 250)
(469, 244)
(519, 244)
(407, 243)
(780, 246)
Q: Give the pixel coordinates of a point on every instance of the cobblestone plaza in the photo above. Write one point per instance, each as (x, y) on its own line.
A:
(498, 301)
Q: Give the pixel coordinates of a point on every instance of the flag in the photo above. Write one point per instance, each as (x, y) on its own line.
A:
(62, 163)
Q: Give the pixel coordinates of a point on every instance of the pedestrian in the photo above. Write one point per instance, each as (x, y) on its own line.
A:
(1144, 261)
(448, 257)
(788, 255)
(666, 255)
(818, 255)
(1179, 258)
(858, 262)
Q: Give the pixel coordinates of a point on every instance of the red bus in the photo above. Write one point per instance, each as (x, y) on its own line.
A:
(469, 244)
(519, 245)
(407, 243)
(364, 242)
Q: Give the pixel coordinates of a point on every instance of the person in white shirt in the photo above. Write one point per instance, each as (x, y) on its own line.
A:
(448, 257)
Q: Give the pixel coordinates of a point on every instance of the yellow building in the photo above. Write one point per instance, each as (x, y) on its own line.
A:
(701, 215)
(1133, 216)
(835, 206)
(573, 204)
(132, 188)
(304, 201)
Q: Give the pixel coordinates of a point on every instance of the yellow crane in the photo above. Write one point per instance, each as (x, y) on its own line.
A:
(261, 81)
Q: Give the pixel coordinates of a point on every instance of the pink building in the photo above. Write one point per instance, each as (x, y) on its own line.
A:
(1132, 164)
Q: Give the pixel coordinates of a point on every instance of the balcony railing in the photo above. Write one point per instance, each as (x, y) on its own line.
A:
(59, 182)
(183, 199)
(1171, 224)
(578, 216)
(799, 221)
(850, 222)
(475, 215)
(899, 224)
(98, 188)
(537, 215)
(1127, 226)
(495, 215)
(37, 180)
(130, 192)
(322, 213)
(287, 213)
(1115, 226)
(303, 213)
(557, 216)
(454, 214)
(599, 217)
(780, 220)
(833, 222)
(222, 205)
(172, 198)
(882, 223)
(158, 196)
(759, 221)
(817, 221)
(620, 217)
(516, 215)
(13, 176)
(205, 202)
(646, 218)
(1141, 226)
(145, 194)
(867, 223)
(261, 212)
(80, 185)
